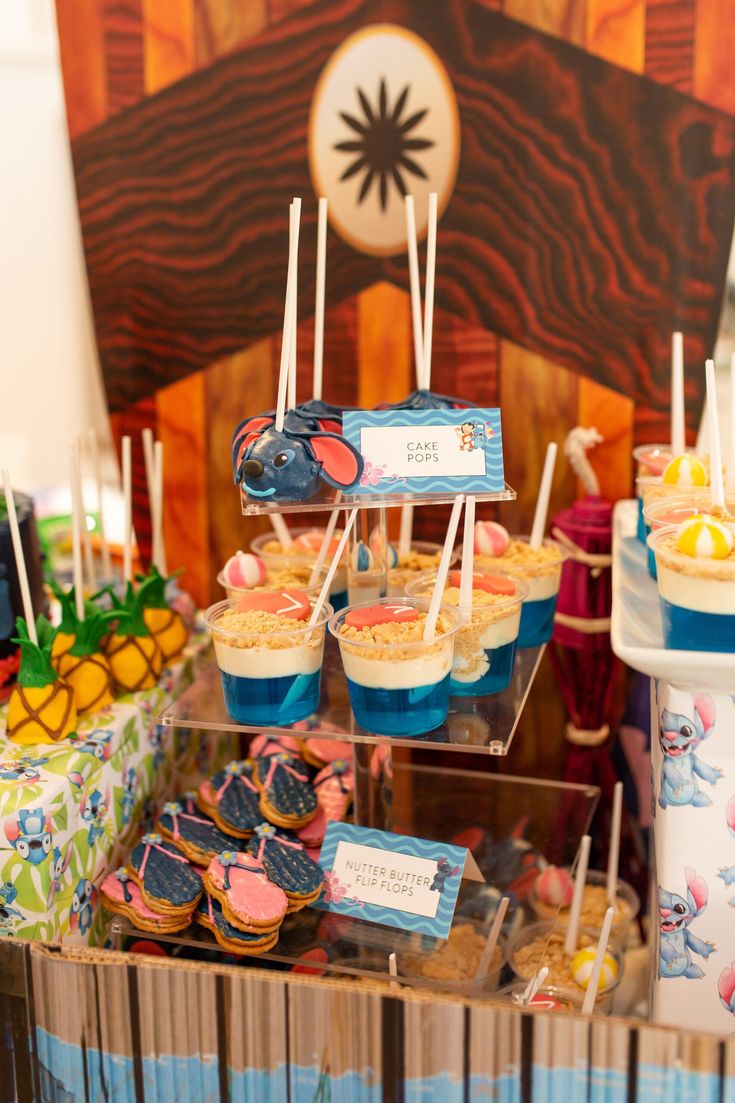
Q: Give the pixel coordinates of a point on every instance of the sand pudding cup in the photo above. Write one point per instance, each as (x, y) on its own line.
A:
(697, 596)
(539, 944)
(651, 461)
(540, 568)
(270, 666)
(304, 551)
(398, 683)
(667, 511)
(294, 576)
(594, 905)
(484, 649)
(423, 556)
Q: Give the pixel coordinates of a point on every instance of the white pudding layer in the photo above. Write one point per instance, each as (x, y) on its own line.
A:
(424, 670)
(268, 662)
(702, 595)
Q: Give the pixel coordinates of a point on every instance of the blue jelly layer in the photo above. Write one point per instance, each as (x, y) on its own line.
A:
(537, 622)
(338, 601)
(498, 677)
(271, 700)
(688, 630)
(651, 563)
(641, 525)
(400, 711)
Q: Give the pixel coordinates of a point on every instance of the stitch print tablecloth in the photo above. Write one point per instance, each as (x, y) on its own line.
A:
(69, 810)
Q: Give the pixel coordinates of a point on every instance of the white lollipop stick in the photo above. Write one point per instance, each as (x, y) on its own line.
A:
(160, 541)
(393, 971)
(731, 457)
(20, 562)
(405, 533)
(150, 480)
(127, 486)
(483, 965)
(717, 488)
(281, 530)
(316, 570)
(443, 571)
(544, 494)
(86, 539)
(321, 279)
(580, 877)
(293, 248)
(95, 453)
(294, 323)
(534, 984)
(590, 995)
(76, 531)
(429, 290)
(415, 282)
(613, 857)
(327, 584)
(678, 435)
(468, 561)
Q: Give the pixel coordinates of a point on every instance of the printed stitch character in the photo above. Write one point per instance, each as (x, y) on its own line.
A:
(728, 873)
(8, 915)
(82, 905)
(679, 737)
(443, 872)
(726, 988)
(97, 743)
(21, 770)
(676, 941)
(30, 835)
(59, 866)
(93, 812)
(128, 797)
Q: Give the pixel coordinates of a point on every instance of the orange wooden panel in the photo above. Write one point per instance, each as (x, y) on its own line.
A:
(81, 43)
(182, 426)
(169, 51)
(616, 31)
(242, 384)
(538, 402)
(612, 415)
(385, 345)
(221, 25)
(563, 18)
(714, 49)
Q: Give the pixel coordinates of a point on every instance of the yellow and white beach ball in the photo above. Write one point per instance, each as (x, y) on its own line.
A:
(686, 470)
(701, 536)
(582, 964)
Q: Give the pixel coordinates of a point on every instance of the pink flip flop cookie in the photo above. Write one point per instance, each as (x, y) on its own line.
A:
(334, 787)
(249, 900)
(121, 895)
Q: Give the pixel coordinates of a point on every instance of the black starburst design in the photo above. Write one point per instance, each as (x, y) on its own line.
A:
(383, 144)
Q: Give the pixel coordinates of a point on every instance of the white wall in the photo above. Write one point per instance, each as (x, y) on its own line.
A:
(51, 388)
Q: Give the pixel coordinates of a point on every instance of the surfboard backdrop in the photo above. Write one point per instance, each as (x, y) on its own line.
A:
(584, 155)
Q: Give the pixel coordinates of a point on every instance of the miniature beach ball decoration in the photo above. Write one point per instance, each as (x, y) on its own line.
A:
(243, 570)
(491, 538)
(703, 537)
(384, 123)
(583, 962)
(686, 470)
(555, 887)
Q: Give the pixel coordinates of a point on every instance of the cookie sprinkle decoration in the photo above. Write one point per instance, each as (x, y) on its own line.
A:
(702, 537)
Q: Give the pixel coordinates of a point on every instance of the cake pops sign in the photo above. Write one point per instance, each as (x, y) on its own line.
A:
(427, 451)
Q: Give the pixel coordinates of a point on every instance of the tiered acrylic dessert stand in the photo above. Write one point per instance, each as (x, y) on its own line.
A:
(515, 814)
(693, 843)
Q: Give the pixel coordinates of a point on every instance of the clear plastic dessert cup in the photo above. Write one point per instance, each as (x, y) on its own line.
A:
(594, 906)
(277, 557)
(550, 997)
(542, 944)
(541, 570)
(269, 676)
(294, 577)
(484, 649)
(452, 965)
(399, 684)
(423, 556)
(697, 596)
(650, 460)
(668, 511)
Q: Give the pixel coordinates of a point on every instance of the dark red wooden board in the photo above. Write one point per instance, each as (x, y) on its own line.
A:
(592, 214)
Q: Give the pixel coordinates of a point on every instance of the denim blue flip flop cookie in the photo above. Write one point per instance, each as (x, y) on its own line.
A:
(196, 836)
(209, 914)
(287, 797)
(232, 799)
(287, 864)
(167, 882)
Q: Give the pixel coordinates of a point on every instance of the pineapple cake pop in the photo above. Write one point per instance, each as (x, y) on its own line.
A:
(41, 708)
(84, 665)
(132, 652)
(165, 624)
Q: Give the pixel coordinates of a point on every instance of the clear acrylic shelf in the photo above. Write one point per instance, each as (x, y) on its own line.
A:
(507, 821)
(483, 725)
(327, 500)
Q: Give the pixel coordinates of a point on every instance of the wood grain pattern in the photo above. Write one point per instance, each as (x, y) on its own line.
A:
(564, 18)
(122, 22)
(621, 227)
(141, 415)
(182, 428)
(83, 63)
(714, 47)
(219, 27)
(670, 26)
(616, 31)
(612, 415)
(169, 52)
(379, 344)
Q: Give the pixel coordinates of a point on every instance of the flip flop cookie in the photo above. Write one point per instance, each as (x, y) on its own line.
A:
(167, 882)
(196, 836)
(232, 799)
(287, 797)
(334, 787)
(320, 752)
(249, 900)
(285, 861)
(263, 745)
(209, 914)
(121, 895)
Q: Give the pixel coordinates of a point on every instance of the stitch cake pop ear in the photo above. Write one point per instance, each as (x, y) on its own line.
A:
(697, 893)
(341, 463)
(705, 709)
(328, 426)
(245, 434)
